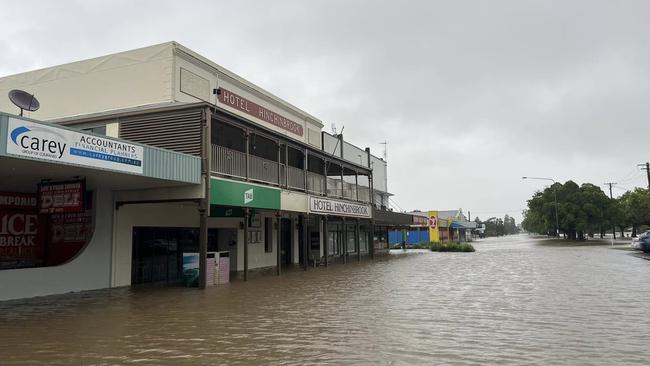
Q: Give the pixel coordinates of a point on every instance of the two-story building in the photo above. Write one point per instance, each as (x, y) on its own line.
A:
(275, 190)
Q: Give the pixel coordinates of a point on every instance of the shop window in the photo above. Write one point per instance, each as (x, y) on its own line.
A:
(268, 235)
(30, 237)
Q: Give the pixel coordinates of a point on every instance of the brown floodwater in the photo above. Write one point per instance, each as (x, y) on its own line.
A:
(514, 301)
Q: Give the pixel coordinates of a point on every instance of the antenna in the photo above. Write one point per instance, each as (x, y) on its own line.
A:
(24, 100)
(385, 143)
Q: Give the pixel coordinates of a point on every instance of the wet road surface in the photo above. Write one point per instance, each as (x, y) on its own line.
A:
(512, 302)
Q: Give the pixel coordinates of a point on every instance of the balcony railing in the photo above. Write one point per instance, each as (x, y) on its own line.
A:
(349, 191)
(333, 187)
(232, 163)
(229, 162)
(296, 178)
(263, 170)
(315, 183)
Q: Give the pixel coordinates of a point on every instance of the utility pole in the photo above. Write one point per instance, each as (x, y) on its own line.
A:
(611, 197)
(646, 167)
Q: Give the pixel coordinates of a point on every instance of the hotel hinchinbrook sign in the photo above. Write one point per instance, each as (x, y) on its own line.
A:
(321, 205)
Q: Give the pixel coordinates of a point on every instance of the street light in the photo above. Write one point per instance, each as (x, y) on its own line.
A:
(557, 221)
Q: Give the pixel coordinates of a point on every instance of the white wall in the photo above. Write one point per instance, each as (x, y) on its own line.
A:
(90, 270)
(126, 79)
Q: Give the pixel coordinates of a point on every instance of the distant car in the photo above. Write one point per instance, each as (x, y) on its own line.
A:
(644, 243)
(636, 242)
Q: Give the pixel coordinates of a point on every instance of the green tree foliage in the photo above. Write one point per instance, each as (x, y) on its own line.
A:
(635, 209)
(584, 210)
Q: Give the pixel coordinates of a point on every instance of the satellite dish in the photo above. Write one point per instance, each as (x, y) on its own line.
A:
(24, 100)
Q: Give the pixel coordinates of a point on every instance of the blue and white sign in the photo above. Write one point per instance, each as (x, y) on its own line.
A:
(57, 144)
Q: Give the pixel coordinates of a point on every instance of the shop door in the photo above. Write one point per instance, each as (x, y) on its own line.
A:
(286, 240)
(157, 254)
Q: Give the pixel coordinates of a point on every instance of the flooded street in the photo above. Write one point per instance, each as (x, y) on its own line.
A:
(514, 301)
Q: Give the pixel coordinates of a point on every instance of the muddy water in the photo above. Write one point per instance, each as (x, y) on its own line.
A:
(512, 302)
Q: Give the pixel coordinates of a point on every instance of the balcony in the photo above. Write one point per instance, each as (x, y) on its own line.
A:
(263, 160)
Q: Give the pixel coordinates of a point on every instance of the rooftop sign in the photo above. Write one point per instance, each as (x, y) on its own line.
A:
(45, 142)
(253, 109)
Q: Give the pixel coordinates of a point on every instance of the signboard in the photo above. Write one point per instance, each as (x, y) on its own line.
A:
(229, 193)
(61, 197)
(434, 232)
(17, 201)
(69, 234)
(21, 239)
(44, 142)
(253, 109)
(191, 269)
(322, 205)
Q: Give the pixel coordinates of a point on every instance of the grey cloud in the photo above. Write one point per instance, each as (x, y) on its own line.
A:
(471, 95)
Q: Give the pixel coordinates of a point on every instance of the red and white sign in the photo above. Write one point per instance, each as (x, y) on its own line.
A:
(61, 197)
(17, 201)
(21, 239)
(433, 222)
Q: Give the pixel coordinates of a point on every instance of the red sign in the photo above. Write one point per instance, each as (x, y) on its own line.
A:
(61, 197)
(433, 222)
(17, 201)
(69, 233)
(21, 239)
(253, 109)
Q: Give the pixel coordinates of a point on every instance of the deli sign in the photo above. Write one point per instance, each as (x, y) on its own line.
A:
(45, 142)
(63, 197)
(322, 205)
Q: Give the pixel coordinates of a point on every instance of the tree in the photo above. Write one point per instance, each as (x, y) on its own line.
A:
(635, 207)
(582, 210)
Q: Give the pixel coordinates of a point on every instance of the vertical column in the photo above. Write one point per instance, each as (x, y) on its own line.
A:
(357, 239)
(371, 199)
(278, 247)
(279, 166)
(286, 167)
(204, 203)
(246, 138)
(345, 242)
(325, 164)
(246, 217)
(305, 241)
(356, 184)
(203, 246)
(305, 165)
(342, 182)
(326, 241)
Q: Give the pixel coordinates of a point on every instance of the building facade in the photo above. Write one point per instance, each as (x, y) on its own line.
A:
(270, 188)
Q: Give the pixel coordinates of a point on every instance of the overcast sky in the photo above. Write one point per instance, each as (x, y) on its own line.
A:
(470, 95)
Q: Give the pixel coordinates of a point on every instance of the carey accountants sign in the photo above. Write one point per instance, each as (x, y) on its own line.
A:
(321, 205)
(57, 144)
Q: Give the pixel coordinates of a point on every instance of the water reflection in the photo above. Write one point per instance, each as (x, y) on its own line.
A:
(511, 302)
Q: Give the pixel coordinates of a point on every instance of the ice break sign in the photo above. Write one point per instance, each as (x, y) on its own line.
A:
(57, 144)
